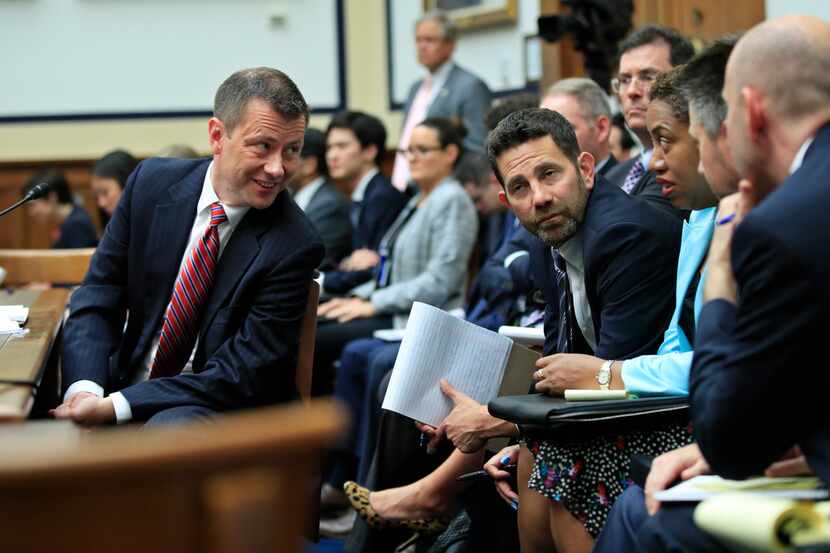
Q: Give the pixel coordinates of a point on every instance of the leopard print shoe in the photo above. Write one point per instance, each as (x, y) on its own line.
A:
(358, 496)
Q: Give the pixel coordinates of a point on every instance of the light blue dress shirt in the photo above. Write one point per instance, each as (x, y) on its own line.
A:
(667, 372)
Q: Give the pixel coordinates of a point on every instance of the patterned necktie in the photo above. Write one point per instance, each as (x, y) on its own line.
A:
(181, 320)
(634, 176)
(417, 113)
(564, 341)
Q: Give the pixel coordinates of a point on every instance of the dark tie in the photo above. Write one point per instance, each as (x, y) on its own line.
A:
(355, 213)
(634, 175)
(565, 339)
(181, 320)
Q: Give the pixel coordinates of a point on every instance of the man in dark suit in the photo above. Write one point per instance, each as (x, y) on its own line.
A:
(355, 143)
(213, 265)
(322, 203)
(643, 55)
(585, 105)
(448, 90)
(755, 388)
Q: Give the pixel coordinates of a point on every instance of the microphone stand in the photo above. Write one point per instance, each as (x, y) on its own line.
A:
(37, 191)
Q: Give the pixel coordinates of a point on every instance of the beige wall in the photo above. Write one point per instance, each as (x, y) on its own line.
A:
(367, 90)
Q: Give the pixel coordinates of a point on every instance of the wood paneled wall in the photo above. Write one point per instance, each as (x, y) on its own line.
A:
(700, 20)
(17, 229)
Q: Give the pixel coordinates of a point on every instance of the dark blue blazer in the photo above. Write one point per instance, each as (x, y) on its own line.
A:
(646, 188)
(759, 381)
(77, 231)
(247, 348)
(382, 203)
(630, 257)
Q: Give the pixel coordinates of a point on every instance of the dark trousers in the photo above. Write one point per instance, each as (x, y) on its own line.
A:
(180, 415)
(331, 338)
(358, 379)
(629, 528)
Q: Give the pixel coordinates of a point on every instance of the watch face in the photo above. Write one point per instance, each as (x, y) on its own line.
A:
(604, 378)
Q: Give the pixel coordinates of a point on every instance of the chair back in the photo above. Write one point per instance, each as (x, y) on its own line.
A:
(54, 266)
(305, 352)
(237, 484)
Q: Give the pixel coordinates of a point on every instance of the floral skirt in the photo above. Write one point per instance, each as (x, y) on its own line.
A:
(588, 476)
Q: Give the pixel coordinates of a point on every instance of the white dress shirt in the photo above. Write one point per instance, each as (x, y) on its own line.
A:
(303, 196)
(360, 190)
(571, 251)
(123, 412)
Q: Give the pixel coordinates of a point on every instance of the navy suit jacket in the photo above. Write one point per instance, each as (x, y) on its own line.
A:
(329, 212)
(630, 258)
(646, 188)
(247, 347)
(382, 203)
(759, 383)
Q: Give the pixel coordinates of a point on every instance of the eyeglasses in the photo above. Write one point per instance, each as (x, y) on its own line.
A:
(418, 151)
(623, 82)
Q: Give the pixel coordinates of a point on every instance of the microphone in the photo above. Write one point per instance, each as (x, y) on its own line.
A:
(36, 192)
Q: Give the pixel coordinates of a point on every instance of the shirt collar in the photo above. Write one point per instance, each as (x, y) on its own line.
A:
(208, 196)
(571, 250)
(360, 189)
(645, 158)
(598, 167)
(799, 156)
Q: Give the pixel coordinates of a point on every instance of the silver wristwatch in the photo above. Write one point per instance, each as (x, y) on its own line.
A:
(604, 375)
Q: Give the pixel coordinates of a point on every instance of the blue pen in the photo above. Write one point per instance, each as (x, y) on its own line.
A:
(726, 219)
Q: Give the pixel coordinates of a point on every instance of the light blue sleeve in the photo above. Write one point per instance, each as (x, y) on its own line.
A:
(663, 374)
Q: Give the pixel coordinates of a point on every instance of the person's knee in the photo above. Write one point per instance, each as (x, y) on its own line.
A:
(180, 415)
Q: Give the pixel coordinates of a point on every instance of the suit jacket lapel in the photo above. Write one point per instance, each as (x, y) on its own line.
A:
(441, 96)
(237, 256)
(169, 231)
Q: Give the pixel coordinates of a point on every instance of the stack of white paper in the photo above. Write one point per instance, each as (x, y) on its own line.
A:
(12, 318)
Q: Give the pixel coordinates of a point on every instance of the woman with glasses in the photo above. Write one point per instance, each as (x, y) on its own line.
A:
(423, 257)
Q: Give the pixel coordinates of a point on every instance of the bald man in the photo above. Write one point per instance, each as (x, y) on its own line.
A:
(756, 389)
(585, 105)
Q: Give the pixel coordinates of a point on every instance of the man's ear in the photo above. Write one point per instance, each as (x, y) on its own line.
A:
(602, 127)
(755, 112)
(585, 163)
(216, 130)
(369, 153)
(503, 199)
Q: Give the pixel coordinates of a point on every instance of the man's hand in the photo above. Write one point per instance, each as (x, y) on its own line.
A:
(360, 259)
(684, 463)
(468, 425)
(86, 409)
(720, 281)
(494, 467)
(346, 309)
(793, 463)
(566, 371)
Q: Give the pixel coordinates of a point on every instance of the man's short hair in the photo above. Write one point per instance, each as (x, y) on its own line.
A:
(271, 86)
(593, 101)
(473, 168)
(666, 89)
(449, 31)
(680, 49)
(530, 124)
(367, 128)
(507, 105)
(702, 80)
(314, 145)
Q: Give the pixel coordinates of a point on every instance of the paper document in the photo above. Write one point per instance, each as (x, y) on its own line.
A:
(705, 486)
(17, 313)
(529, 336)
(473, 359)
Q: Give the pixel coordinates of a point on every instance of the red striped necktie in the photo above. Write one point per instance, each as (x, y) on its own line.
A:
(181, 320)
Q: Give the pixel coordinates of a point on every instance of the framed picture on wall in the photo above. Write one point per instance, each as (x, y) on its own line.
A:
(474, 14)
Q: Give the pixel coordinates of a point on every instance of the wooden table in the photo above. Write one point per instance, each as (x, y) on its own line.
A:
(24, 358)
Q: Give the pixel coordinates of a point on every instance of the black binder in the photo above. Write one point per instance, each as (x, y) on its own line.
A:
(543, 415)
